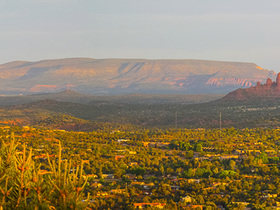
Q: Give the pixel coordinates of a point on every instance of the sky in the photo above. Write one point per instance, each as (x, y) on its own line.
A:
(232, 30)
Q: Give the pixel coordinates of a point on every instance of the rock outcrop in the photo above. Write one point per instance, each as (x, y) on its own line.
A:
(261, 92)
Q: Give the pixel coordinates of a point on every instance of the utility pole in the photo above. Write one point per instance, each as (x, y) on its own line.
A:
(176, 120)
(220, 124)
(220, 120)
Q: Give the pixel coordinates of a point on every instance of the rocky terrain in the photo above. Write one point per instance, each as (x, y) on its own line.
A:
(270, 91)
(126, 76)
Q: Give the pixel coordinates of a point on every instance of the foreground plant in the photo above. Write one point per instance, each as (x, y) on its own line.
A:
(68, 183)
(23, 185)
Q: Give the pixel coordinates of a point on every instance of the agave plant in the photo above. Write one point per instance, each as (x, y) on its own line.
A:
(68, 183)
(23, 185)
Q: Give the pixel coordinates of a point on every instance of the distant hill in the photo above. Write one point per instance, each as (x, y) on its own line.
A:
(127, 76)
(113, 115)
(75, 97)
(268, 92)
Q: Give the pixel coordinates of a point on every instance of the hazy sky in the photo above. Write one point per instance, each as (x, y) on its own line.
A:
(228, 30)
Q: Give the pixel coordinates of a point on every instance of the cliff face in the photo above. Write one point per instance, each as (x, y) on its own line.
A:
(123, 76)
(268, 91)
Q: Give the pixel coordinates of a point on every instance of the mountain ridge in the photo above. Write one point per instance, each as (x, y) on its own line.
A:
(126, 76)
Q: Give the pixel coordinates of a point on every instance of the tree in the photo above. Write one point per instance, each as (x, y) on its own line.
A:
(198, 147)
(189, 173)
(232, 164)
(189, 154)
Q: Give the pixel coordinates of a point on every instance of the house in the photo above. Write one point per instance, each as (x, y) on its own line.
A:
(132, 163)
(258, 152)
(186, 199)
(162, 145)
(148, 186)
(115, 131)
(102, 194)
(120, 150)
(96, 185)
(89, 201)
(123, 140)
(118, 157)
(144, 205)
(193, 180)
(132, 152)
(175, 187)
(108, 176)
(38, 150)
(137, 183)
(145, 144)
(269, 196)
(270, 152)
(196, 207)
(118, 191)
(242, 203)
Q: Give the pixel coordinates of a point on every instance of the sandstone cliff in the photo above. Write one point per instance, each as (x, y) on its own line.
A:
(123, 76)
(261, 92)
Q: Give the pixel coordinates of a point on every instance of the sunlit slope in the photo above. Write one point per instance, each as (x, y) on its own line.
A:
(125, 76)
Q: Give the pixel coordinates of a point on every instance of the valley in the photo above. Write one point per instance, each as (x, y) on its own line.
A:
(133, 151)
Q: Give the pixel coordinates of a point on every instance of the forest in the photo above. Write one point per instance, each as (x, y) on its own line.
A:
(134, 168)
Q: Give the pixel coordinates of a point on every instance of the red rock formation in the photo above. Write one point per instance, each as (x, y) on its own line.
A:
(268, 91)
(268, 82)
(278, 81)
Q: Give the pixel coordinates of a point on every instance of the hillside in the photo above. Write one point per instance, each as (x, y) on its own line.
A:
(75, 97)
(109, 115)
(268, 92)
(126, 76)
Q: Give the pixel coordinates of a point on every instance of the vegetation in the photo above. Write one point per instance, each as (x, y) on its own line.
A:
(24, 185)
(86, 117)
(124, 169)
